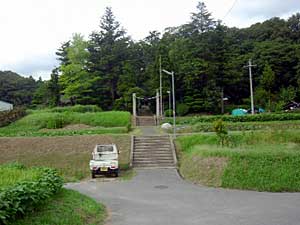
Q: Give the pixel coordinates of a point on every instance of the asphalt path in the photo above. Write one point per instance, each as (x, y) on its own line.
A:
(160, 196)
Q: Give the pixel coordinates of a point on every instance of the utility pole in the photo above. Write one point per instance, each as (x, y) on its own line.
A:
(174, 101)
(251, 85)
(160, 87)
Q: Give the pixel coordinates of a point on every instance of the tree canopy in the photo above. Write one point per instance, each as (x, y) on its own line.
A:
(208, 59)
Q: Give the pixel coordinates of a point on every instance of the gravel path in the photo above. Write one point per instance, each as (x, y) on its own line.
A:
(160, 196)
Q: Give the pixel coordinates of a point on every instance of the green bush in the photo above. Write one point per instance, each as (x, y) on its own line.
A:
(24, 196)
(182, 109)
(169, 113)
(221, 131)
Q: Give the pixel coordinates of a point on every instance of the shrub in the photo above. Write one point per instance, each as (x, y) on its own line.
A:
(221, 131)
(168, 113)
(24, 196)
(182, 109)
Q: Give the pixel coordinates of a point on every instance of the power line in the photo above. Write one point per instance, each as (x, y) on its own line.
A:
(229, 11)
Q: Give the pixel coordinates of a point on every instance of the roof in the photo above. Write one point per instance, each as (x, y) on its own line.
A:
(3, 102)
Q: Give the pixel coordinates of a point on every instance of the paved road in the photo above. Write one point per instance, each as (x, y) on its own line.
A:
(160, 196)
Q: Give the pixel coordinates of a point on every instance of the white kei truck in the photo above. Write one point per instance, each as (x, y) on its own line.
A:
(105, 160)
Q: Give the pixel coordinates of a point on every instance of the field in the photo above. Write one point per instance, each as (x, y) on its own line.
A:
(267, 121)
(47, 123)
(69, 154)
(261, 160)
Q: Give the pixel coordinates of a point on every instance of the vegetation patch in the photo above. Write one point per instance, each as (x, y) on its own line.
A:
(228, 118)
(67, 207)
(245, 126)
(263, 161)
(35, 123)
(70, 155)
(76, 108)
(21, 195)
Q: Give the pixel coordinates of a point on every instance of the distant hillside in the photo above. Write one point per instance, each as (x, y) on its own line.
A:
(16, 89)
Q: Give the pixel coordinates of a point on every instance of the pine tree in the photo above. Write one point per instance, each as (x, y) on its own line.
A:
(108, 50)
(202, 20)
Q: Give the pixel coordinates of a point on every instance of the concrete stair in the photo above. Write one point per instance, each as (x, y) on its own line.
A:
(145, 121)
(152, 151)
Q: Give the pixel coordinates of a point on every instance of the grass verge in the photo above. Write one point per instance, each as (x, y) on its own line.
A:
(263, 161)
(67, 207)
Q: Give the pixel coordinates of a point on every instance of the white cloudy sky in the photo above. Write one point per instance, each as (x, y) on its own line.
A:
(32, 30)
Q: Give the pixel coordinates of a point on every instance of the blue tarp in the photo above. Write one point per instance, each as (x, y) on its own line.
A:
(239, 112)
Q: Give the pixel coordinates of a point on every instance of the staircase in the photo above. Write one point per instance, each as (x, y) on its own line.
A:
(145, 121)
(152, 151)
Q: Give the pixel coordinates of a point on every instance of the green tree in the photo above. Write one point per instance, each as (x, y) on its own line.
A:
(76, 81)
(202, 20)
(268, 82)
(108, 51)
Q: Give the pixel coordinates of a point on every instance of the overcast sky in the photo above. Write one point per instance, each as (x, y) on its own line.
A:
(32, 30)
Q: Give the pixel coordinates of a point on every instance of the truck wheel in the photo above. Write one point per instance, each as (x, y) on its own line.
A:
(93, 176)
(116, 174)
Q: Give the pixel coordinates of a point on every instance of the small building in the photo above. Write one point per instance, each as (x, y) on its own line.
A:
(5, 106)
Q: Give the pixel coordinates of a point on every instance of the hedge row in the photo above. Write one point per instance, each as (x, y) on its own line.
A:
(247, 118)
(7, 117)
(241, 126)
(15, 201)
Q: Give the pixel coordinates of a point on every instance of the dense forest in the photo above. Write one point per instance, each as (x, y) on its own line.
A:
(208, 59)
(16, 89)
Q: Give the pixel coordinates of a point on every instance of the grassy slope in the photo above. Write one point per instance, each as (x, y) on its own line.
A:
(264, 161)
(34, 123)
(66, 208)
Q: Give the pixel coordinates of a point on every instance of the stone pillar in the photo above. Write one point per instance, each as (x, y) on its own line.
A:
(134, 104)
(157, 105)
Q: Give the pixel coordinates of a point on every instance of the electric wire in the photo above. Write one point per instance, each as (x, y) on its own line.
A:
(231, 8)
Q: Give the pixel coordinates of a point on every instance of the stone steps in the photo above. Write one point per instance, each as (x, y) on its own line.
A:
(145, 121)
(152, 151)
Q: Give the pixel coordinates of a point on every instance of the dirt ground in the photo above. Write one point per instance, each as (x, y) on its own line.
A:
(69, 154)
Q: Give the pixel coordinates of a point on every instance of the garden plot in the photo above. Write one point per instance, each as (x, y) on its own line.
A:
(69, 154)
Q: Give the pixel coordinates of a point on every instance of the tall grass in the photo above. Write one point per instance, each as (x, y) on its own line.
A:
(11, 174)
